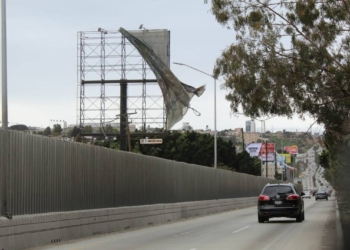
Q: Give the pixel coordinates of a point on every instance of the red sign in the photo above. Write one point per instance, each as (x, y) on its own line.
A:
(270, 152)
(292, 149)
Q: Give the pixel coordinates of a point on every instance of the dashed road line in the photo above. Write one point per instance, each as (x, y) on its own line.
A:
(240, 229)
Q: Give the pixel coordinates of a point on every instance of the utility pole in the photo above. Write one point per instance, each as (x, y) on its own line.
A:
(265, 139)
(275, 165)
(267, 176)
(243, 138)
(125, 119)
(128, 132)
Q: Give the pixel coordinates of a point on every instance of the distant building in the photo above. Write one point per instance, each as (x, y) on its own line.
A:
(250, 126)
(132, 127)
(186, 126)
(271, 170)
(250, 137)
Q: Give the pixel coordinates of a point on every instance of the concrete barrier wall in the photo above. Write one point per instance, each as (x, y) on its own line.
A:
(26, 231)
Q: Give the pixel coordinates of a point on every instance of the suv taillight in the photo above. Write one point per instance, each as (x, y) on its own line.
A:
(264, 198)
(293, 197)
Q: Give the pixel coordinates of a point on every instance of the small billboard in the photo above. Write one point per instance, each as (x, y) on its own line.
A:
(288, 157)
(151, 141)
(292, 149)
(253, 149)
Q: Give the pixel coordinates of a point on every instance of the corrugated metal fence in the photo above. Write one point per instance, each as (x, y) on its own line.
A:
(46, 175)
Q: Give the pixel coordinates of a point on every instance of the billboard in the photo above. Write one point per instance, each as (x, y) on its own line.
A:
(287, 157)
(157, 40)
(292, 149)
(151, 141)
(270, 152)
(281, 160)
(253, 149)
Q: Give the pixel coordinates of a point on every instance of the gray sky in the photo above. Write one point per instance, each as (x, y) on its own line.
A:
(42, 55)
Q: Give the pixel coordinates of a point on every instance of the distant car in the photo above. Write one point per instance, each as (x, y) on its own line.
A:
(307, 194)
(321, 195)
(280, 200)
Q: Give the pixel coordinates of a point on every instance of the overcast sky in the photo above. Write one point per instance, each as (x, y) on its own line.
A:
(42, 56)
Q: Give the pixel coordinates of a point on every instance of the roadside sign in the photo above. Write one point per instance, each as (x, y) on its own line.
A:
(151, 141)
(292, 149)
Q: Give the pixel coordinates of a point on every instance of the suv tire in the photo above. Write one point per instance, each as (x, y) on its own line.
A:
(261, 219)
(299, 217)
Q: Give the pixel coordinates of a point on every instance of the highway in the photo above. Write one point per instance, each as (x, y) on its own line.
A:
(237, 229)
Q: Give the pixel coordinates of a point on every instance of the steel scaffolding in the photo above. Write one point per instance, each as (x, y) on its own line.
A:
(114, 80)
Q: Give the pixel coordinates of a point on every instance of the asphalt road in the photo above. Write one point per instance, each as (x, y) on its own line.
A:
(237, 229)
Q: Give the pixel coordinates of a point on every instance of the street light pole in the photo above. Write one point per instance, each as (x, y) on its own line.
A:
(4, 65)
(266, 161)
(215, 134)
(263, 123)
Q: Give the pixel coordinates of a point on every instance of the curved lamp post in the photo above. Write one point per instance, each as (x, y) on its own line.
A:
(215, 136)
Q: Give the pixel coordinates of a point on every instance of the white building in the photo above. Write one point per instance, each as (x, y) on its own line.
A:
(250, 126)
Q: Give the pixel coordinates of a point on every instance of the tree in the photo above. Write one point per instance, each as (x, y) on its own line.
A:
(87, 129)
(47, 131)
(57, 129)
(297, 50)
(107, 130)
(191, 147)
(246, 164)
(19, 127)
(75, 131)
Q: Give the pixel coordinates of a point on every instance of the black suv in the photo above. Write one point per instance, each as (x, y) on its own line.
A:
(280, 200)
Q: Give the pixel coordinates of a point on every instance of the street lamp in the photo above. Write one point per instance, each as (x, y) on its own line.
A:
(263, 123)
(4, 65)
(215, 136)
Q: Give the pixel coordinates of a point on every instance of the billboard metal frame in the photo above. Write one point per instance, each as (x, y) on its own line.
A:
(106, 60)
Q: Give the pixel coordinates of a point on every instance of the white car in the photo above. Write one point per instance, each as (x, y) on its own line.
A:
(307, 194)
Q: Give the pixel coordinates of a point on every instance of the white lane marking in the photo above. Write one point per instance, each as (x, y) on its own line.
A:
(186, 233)
(177, 235)
(240, 229)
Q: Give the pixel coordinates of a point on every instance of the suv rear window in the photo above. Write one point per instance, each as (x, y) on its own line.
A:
(275, 190)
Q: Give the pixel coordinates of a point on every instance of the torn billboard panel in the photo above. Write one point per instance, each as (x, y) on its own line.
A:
(157, 40)
(177, 95)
